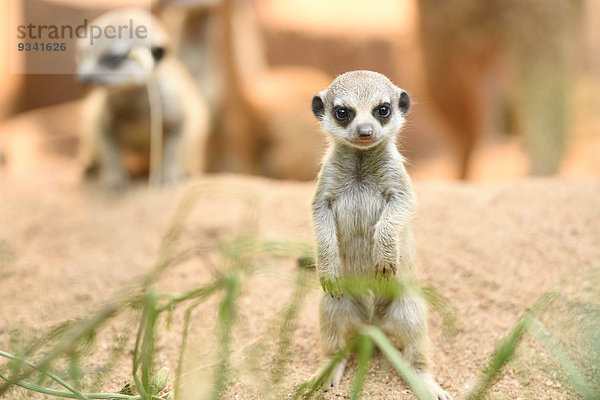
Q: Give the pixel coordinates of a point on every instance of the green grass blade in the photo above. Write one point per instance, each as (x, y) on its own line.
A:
(537, 330)
(69, 395)
(507, 347)
(226, 320)
(78, 332)
(143, 354)
(73, 334)
(395, 358)
(201, 293)
(55, 378)
(183, 346)
(75, 370)
(307, 389)
(364, 347)
(442, 306)
(287, 327)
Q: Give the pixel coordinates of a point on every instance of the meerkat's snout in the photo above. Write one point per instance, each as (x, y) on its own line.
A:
(365, 131)
(363, 135)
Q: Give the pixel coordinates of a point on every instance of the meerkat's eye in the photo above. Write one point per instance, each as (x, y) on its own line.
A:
(112, 60)
(158, 53)
(384, 111)
(342, 114)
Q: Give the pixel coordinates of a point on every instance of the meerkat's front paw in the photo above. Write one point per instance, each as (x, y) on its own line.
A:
(331, 286)
(384, 269)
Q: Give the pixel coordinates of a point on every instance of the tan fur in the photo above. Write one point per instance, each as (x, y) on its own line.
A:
(362, 211)
(483, 59)
(118, 108)
(261, 123)
(195, 25)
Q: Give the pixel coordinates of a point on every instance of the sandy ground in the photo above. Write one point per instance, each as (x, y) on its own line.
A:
(492, 249)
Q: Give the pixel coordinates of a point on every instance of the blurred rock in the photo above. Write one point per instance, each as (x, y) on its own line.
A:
(42, 140)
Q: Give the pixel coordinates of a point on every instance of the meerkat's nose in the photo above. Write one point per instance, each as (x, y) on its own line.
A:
(85, 72)
(364, 130)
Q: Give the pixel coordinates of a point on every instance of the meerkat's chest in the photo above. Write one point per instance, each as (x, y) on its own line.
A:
(357, 209)
(131, 127)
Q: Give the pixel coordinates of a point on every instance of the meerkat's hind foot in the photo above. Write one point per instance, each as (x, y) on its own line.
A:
(115, 184)
(337, 374)
(432, 387)
(334, 378)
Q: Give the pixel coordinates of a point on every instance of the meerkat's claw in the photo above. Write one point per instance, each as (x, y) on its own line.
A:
(433, 388)
(334, 379)
(444, 396)
(385, 270)
(336, 375)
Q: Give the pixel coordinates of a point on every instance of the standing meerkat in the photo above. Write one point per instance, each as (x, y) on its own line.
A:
(362, 211)
(138, 84)
(261, 124)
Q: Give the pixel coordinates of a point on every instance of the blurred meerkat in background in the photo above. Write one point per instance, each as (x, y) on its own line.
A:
(270, 103)
(195, 27)
(501, 62)
(262, 125)
(136, 80)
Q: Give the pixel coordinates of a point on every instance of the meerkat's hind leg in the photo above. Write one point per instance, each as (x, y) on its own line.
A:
(113, 173)
(332, 381)
(405, 320)
(340, 316)
(172, 168)
(338, 373)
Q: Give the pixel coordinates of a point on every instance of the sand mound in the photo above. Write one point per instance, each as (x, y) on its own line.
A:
(492, 249)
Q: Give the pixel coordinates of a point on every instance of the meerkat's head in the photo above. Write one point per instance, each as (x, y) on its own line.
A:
(120, 48)
(361, 108)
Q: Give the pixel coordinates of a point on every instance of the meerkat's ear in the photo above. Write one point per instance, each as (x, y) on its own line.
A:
(318, 106)
(404, 101)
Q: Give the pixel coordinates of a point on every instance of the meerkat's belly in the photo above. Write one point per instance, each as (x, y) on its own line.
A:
(356, 214)
(130, 123)
(134, 136)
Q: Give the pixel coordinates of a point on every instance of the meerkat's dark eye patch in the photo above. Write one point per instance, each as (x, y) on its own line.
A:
(382, 112)
(343, 115)
(112, 60)
(404, 102)
(318, 107)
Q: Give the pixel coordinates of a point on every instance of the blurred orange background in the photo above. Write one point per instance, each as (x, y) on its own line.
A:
(501, 89)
